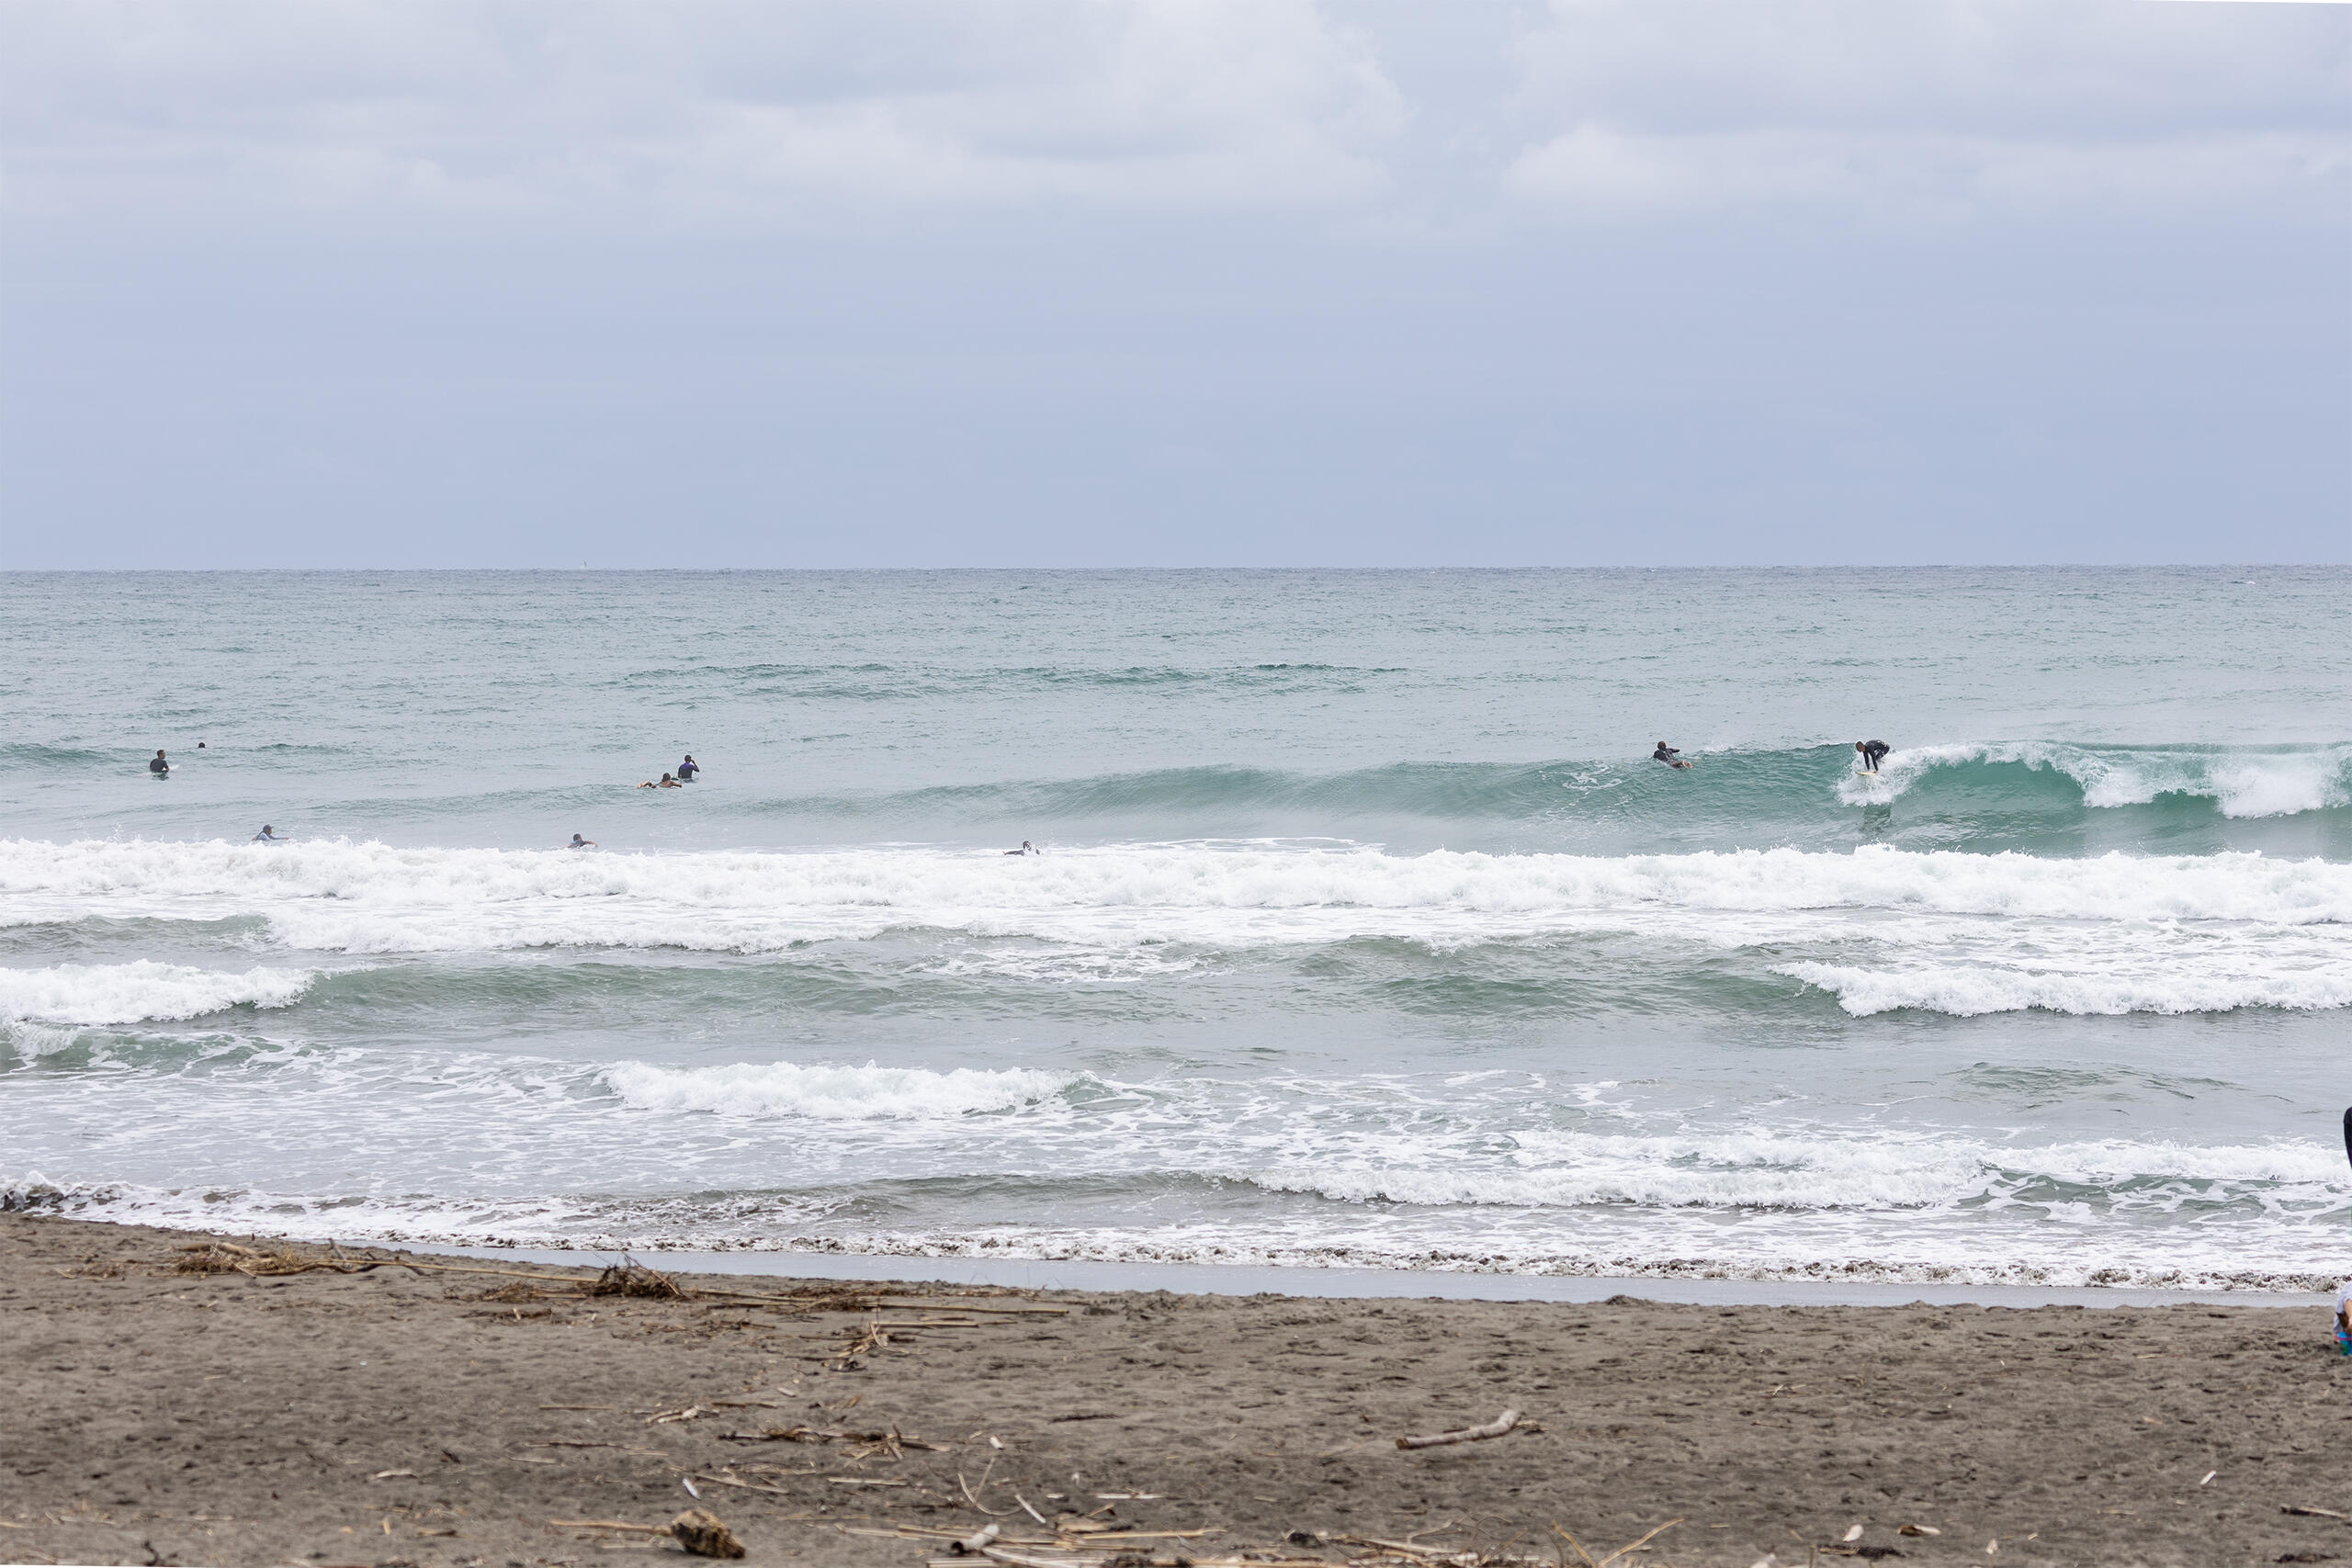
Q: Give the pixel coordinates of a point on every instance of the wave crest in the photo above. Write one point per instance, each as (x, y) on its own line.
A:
(2243, 782)
(1969, 991)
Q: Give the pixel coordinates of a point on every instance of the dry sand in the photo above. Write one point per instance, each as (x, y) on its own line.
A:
(392, 1418)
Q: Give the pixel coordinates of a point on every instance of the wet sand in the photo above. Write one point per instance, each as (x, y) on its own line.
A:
(395, 1416)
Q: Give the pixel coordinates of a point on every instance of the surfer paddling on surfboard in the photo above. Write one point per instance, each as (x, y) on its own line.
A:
(1670, 755)
(1872, 751)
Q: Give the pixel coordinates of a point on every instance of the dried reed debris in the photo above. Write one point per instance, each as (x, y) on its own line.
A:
(629, 1278)
(228, 1257)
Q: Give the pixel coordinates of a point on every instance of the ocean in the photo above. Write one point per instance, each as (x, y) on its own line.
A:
(1364, 934)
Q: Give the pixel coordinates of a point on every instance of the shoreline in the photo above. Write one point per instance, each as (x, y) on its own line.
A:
(1336, 1281)
(1339, 1283)
(183, 1402)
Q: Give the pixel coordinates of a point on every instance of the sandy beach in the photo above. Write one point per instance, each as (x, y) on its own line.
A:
(196, 1407)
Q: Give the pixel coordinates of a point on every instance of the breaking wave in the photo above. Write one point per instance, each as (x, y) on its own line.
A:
(1878, 928)
(1970, 990)
(97, 994)
(2242, 781)
(369, 896)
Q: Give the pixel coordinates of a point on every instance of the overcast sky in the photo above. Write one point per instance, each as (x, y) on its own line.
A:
(1080, 282)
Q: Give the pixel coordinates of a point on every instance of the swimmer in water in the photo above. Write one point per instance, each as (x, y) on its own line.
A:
(688, 769)
(1026, 848)
(1872, 751)
(268, 835)
(580, 843)
(1670, 755)
(156, 765)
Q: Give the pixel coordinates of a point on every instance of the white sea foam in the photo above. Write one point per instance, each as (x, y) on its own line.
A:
(1942, 1245)
(371, 898)
(2243, 784)
(1448, 1171)
(32, 1041)
(1062, 964)
(91, 994)
(1826, 1171)
(1968, 990)
(1954, 932)
(1726, 1171)
(833, 1093)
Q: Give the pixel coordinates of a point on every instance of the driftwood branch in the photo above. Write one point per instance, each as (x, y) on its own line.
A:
(1500, 1426)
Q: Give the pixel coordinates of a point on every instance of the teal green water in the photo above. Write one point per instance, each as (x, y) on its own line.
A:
(1364, 931)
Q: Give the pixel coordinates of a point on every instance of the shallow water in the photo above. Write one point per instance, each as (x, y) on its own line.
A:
(1365, 933)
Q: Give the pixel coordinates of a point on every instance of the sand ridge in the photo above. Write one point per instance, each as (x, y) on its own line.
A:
(397, 1417)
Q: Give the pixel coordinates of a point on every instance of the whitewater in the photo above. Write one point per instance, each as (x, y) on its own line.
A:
(1363, 935)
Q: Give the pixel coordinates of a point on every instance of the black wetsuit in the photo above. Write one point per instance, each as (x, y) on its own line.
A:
(1669, 755)
(157, 765)
(1872, 751)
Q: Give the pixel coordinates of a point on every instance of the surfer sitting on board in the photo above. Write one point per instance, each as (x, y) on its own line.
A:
(688, 769)
(1872, 751)
(1670, 755)
(1026, 848)
(156, 765)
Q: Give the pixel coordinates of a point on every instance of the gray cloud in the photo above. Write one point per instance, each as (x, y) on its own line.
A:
(722, 109)
(733, 110)
(1936, 111)
(909, 281)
